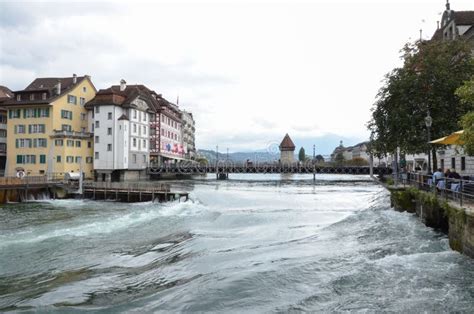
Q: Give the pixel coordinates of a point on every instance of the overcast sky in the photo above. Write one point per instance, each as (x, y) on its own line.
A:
(249, 71)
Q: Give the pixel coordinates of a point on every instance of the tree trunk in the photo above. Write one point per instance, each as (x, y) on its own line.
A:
(434, 159)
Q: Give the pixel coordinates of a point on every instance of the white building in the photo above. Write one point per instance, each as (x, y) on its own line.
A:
(121, 116)
(187, 134)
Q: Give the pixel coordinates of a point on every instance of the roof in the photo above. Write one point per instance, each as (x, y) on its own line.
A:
(113, 95)
(5, 94)
(123, 117)
(464, 17)
(287, 143)
(46, 85)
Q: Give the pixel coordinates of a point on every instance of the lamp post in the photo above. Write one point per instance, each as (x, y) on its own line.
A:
(314, 161)
(217, 161)
(428, 122)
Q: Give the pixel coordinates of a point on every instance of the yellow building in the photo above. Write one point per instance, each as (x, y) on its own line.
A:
(48, 131)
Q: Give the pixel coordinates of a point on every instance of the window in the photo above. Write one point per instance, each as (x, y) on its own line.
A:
(84, 89)
(23, 143)
(14, 113)
(36, 128)
(134, 142)
(453, 163)
(83, 116)
(25, 159)
(109, 131)
(92, 127)
(20, 129)
(97, 109)
(32, 96)
(58, 158)
(89, 144)
(3, 133)
(134, 114)
(40, 142)
(109, 147)
(58, 142)
(82, 101)
(144, 116)
(69, 159)
(144, 143)
(442, 163)
(18, 97)
(70, 143)
(43, 96)
(89, 160)
(97, 124)
(65, 114)
(42, 159)
(134, 128)
(83, 130)
(97, 139)
(96, 155)
(71, 99)
(109, 116)
(134, 156)
(144, 130)
(78, 143)
(43, 112)
(463, 163)
(29, 113)
(66, 127)
(78, 159)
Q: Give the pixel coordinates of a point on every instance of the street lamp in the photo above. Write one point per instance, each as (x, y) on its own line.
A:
(428, 122)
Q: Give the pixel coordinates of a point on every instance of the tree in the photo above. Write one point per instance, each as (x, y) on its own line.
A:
(466, 95)
(302, 155)
(339, 159)
(427, 82)
(319, 159)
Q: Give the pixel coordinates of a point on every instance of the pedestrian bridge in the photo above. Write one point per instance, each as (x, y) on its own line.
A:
(263, 169)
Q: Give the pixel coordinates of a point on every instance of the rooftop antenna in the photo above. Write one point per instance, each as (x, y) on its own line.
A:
(421, 34)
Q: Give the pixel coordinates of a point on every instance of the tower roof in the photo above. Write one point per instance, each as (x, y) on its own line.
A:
(287, 143)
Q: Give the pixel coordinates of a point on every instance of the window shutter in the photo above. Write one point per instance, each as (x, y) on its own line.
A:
(19, 159)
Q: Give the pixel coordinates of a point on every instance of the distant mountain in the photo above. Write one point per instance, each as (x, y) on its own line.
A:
(324, 146)
(260, 156)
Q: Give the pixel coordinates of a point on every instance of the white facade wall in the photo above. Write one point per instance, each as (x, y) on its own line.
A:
(139, 139)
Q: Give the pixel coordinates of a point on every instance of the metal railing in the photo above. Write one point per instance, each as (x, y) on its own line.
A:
(458, 190)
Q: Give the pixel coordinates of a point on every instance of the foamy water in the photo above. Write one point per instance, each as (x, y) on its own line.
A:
(251, 244)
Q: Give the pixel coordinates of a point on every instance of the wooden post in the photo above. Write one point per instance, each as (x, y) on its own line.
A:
(153, 196)
(93, 195)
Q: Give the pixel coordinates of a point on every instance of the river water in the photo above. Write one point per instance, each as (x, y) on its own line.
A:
(255, 243)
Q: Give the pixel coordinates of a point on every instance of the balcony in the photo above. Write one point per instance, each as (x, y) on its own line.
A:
(70, 134)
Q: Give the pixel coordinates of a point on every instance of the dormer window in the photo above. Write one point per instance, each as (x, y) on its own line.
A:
(18, 97)
(32, 96)
(43, 96)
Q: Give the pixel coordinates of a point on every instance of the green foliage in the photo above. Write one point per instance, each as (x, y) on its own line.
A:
(339, 159)
(202, 161)
(466, 96)
(467, 123)
(302, 155)
(431, 73)
(319, 159)
(357, 162)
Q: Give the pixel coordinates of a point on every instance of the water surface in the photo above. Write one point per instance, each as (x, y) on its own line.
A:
(255, 243)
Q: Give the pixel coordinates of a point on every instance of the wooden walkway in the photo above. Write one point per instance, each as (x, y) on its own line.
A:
(264, 169)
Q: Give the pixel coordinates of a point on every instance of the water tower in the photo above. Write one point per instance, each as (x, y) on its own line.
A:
(287, 150)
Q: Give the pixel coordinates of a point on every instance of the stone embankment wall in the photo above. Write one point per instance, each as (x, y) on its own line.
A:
(440, 214)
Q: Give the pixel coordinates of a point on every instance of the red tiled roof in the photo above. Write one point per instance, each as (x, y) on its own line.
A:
(287, 143)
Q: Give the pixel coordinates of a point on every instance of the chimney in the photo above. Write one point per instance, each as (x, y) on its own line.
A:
(58, 88)
(123, 85)
(74, 78)
(437, 22)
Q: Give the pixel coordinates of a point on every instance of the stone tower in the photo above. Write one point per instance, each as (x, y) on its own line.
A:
(287, 150)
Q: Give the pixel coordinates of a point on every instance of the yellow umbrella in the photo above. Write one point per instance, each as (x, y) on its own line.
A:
(451, 139)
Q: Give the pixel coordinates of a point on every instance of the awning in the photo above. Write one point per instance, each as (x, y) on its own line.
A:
(451, 139)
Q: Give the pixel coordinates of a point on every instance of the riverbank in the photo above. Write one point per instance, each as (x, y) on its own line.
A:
(444, 215)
